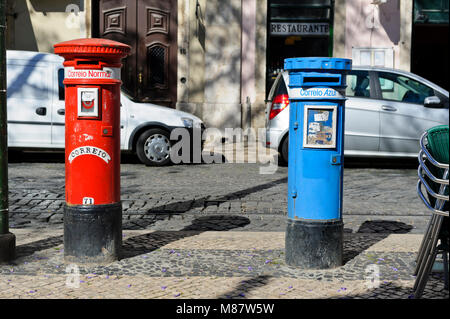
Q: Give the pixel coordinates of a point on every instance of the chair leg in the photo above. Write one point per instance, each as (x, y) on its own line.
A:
(423, 246)
(431, 242)
(424, 243)
(428, 260)
(446, 270)
(425, 274)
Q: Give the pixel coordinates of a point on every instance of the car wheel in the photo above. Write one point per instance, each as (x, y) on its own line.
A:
(153, 147)
(285, 150)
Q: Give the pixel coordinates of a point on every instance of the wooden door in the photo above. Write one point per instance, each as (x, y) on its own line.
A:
(157, 51)
(117, 21)
(149, 73)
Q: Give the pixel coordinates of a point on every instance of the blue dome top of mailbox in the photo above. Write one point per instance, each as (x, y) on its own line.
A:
(317, 63)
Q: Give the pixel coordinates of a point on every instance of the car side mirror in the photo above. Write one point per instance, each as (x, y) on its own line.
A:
(433, 102)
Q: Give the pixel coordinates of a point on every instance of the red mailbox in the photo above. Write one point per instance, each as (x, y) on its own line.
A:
(93, 211)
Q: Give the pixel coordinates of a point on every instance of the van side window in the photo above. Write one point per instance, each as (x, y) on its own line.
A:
(27, 81)
(61, 91)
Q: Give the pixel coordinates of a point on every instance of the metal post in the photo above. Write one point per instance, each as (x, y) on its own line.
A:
(7, 240)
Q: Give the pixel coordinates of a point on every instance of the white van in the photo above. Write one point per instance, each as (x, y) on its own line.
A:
(36, 111)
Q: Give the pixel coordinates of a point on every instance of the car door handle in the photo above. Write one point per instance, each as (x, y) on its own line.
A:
(41, 111)
(61, 111)
(388, 108)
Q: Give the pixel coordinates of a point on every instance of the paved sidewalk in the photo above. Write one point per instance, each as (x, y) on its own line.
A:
(171, 198)
(216, 231)
(195, 264)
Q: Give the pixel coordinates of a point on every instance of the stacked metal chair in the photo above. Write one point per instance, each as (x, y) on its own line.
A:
(433, 176)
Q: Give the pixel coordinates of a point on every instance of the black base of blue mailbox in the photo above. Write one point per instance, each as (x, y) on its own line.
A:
(314, 244)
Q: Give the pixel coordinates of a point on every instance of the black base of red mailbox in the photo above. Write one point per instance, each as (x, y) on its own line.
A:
(92, 233)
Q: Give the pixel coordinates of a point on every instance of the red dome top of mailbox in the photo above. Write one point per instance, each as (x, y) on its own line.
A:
(92, 47)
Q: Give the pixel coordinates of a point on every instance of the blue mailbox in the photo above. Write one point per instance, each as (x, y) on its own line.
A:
(314, 233)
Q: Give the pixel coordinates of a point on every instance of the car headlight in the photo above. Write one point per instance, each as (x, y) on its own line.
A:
(187, 122)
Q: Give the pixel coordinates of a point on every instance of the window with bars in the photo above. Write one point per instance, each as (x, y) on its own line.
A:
(157, 57)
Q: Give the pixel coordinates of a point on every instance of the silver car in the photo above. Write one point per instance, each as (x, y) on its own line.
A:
(386, 112)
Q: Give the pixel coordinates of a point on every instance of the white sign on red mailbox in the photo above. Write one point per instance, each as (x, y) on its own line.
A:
(105, 73)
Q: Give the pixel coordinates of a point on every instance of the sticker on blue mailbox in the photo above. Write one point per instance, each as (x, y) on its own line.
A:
(319, 127)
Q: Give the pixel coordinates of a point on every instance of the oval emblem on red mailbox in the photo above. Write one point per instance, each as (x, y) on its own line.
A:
(89, 150)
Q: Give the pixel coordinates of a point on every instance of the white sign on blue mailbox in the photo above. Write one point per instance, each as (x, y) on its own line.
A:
(314, 93)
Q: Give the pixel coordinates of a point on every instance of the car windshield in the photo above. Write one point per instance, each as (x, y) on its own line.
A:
(126, 94)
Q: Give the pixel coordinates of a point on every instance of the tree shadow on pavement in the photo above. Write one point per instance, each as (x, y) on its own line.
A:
(384, 226)
(245, 286)
(391, 290)
(354, 244)
(166, 211)
(147, 243)
(43, 244)
(384, 291)
(368, 234)
(387, 163)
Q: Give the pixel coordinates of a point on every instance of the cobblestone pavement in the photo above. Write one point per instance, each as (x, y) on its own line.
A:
(215, 231)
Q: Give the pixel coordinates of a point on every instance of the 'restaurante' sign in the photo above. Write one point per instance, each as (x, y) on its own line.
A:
(278, 28)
